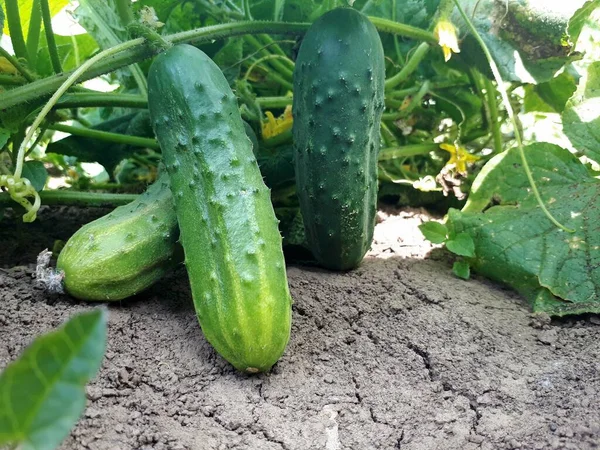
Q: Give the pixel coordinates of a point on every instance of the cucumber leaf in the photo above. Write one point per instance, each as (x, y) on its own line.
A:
(101, 21)
(36, 173)
(528, 40)
(581, 118)
(25, 7)
(516, 244)
(42, 394)
(580, 18)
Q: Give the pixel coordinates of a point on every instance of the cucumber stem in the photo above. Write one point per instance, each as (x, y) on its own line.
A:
(52, 49)
(61, 90)
(117, 138)
(66, 197)
(139, 52)
(410, 66)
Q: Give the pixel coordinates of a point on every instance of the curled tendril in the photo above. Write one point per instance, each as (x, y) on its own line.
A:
(19, 190)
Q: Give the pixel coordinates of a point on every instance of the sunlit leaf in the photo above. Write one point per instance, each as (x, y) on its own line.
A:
(42, 394)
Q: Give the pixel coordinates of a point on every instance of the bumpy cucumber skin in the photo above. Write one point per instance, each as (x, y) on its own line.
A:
(229, 232)
(126, 251)
(338, 101)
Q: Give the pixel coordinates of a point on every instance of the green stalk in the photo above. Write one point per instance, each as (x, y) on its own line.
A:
(14, 28)
(410, 66)
(274, 62)
(273, 102)
(511, 116)
(94, 99)
(268, 41)
(389, 26)
(52, 49)
(276, 141)
(415, 101)
(60, 91)
(11, 80)
(124, 11)
(492, 105)
(35, 28)
(77, 198)
(139, 52)
(17, 65)
(406, 151)
(117, 138)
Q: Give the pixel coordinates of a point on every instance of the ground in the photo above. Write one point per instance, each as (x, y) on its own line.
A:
(395, 354)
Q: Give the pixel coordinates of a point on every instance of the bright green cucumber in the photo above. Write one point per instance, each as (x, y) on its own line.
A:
(124, 252)
(229, 232)
(338, 102)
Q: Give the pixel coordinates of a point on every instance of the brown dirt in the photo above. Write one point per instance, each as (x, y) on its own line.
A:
(396, 354)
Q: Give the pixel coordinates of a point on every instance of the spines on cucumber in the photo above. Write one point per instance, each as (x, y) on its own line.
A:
(228, 228)
(338, 102)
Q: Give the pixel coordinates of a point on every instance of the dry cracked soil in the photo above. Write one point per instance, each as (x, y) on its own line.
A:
(397, 354)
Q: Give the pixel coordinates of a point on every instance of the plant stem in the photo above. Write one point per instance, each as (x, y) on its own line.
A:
(93, 99)
(139, 52)
(106, 136)
(78, 198)
(14, 28)
(17, 65)
(389, 26)
(415, 101)
(273, 62)
(52, 49)
(124, 10)
(276, 141)
(511, 116)
(33, 35)
(490, 96)
(406, 151)
(11, 79)
(273, 102)
(410, 66)
(61, 90)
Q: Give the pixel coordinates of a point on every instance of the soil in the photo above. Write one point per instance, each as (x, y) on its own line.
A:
(395, 354)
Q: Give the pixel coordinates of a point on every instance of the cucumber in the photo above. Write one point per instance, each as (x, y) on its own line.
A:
(124, 252)
(338, 101)
(229, 233)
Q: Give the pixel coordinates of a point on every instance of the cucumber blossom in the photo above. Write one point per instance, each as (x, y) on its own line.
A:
(338, 101)
(229, 233)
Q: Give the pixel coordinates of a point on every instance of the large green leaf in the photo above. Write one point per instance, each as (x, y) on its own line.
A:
(550, 96)
(516, 244)
(25, 7)
(581, 117)
(42, 394)
(528, 41)
(580, 19)
(100, 19)
(36, 173)
(72, 51)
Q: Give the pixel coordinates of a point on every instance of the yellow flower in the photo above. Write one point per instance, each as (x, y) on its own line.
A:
(7, 67)
(459, 157)
(445, 32)
(274, 126)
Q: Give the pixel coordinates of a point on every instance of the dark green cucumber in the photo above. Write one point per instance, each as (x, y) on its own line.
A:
(126, 251)
(338, 102)
(228, 228)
